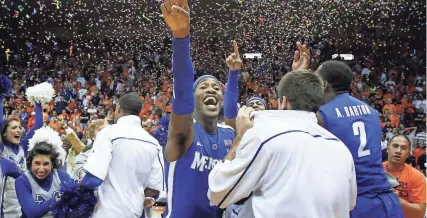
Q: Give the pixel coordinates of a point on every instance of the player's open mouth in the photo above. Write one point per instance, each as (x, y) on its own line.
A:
(396, 157)
(210, 100)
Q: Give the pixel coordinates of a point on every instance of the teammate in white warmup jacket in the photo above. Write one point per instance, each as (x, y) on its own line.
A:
(294, 167)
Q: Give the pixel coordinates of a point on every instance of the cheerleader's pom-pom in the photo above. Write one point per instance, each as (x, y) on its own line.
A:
(49, 136)
(41, 93)
(75, 202)
(5, 85)
(161, 133)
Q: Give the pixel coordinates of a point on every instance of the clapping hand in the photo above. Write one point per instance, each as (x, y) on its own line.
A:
(177, 16)
(233, 61)
(301, 58)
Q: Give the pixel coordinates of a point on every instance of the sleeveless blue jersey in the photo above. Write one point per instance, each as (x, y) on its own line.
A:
(358, 126)
(187, 178)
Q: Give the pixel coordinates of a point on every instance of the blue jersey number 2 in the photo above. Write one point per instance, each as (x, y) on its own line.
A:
(359, 130)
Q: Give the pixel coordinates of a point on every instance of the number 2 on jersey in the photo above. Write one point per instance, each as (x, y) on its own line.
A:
(359, 130)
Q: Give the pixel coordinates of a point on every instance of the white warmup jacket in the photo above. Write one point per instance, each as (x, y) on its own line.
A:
(128, 160)
(294, 167)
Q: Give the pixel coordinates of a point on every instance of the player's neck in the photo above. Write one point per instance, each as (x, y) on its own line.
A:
(328, 97)
(395, 167)
(209, 124)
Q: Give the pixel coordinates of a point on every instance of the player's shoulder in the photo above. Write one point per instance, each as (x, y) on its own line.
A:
(225, 127)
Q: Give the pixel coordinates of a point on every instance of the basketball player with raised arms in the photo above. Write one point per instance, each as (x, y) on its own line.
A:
(196, 142)
(357, 125)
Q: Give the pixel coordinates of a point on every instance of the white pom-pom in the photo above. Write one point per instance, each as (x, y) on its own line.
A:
(49, 136)
(41, 93)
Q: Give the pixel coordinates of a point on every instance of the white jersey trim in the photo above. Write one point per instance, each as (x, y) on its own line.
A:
(170, 187)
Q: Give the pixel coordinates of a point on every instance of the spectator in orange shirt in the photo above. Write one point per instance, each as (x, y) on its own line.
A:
(412, 184)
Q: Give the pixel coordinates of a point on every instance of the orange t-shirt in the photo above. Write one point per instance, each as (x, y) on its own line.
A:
(412, 184)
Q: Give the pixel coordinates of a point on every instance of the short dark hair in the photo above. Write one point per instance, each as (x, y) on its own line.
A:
(336, 73)
(131, 104)
(43, 148)
(303, 89)
(400, 135)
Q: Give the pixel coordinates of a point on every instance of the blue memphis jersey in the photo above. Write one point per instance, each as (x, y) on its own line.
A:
(187, 178)
(358, 126)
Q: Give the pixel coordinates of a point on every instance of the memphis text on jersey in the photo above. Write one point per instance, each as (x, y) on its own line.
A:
(352, 111)
(202, 162)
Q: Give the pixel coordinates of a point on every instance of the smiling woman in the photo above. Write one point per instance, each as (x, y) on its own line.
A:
(39, 187)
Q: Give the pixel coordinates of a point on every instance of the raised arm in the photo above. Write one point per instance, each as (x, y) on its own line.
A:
(181, 129)
(232, 87)
(97, 163)
(38, 125)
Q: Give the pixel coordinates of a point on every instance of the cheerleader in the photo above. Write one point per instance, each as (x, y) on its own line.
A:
(13, 146)
(7, 169)
(38, 188)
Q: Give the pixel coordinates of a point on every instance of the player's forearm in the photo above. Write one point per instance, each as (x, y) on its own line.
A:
(183, 77)
(232, 152)
(412, 210)
(231, 95)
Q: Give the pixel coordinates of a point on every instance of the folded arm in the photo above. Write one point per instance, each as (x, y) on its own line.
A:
(231, 181)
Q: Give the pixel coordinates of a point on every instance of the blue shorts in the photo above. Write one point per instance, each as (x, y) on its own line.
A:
(384, 205)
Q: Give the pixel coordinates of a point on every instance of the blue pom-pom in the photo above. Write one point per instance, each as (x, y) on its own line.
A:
(5, 85)
(161, 133)
(75, 202)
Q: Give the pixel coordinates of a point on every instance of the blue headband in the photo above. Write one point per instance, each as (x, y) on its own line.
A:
(256, 99)
(200, 79)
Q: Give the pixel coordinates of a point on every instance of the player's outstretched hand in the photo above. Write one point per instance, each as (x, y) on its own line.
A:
(233, 61)
(243, 120)
(301, 58)
(177, 16)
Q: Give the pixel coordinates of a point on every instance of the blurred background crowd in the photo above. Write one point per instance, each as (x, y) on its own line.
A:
(94, 51)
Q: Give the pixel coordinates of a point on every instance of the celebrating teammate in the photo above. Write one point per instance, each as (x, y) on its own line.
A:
(358, 126)
(125, 161)
(284, 158)
(196, 142)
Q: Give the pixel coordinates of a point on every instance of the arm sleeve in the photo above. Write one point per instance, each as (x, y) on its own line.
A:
(183, 77)
(417, 194)
(90, 181)
(230, 181)
(30, 134)
(25, 197)
(156, 180)
(98, 162)
(64, 177)
(11, 169)
(231, 95)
